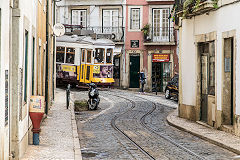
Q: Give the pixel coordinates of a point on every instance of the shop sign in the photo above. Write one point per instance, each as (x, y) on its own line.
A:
(134, 43)
(160, 58)
(68, 68)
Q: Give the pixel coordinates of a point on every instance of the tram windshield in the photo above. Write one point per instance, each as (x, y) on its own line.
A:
(109, 55)
(99, 55)
(70, 55)
(60, 54)
(89, 56)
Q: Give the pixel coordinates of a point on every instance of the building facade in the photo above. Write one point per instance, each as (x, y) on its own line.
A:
(150, 44)
(104, 17)
(22, 29)
(209, 64)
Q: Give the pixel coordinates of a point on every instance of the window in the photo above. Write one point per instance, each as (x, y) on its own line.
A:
(83, 55)
(109, 55)
(25, 65)
(135, 18)
(89, 56)
(110, 21)
(60, 54)
(99, 55)
(160, 24)
(70, 55)
(79, 17)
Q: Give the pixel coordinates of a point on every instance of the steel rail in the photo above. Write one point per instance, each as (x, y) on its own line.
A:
(142, 121)
(113, 124)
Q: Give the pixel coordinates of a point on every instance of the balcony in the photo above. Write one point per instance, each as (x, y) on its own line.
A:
(189, 8)
(116, 34)
(160, 36)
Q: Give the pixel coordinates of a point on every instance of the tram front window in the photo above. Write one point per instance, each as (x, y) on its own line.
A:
(109, 55)
(89, 56)
(99, 55)
(70, 55)
(60, 54)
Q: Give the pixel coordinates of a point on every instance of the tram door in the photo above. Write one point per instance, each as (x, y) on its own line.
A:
(134, 71)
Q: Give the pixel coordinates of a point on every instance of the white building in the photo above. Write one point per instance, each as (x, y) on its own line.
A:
(104, 17)
(210, 64)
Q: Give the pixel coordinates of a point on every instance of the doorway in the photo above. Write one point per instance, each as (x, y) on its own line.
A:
(161, 74)
(134, 71)
(228, 78)
(207, 53)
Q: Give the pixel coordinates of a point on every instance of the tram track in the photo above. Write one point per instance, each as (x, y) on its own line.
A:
(142, 122)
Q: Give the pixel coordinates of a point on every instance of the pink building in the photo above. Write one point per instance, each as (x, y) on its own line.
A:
(150, 44)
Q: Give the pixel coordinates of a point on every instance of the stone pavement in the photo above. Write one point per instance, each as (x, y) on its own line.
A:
(202, 130)
(58, 136)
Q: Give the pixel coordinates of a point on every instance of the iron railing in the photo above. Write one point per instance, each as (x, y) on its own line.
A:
(160, 34)
(114, 33)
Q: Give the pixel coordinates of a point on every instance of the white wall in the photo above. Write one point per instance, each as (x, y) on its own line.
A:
(4, 65)
(222, 20)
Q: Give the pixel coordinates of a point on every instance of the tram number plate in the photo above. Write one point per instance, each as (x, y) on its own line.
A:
(96, 69)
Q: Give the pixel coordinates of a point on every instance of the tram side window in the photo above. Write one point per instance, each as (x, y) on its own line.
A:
(99, 55)
(70, 55)
(109, 55)
(83, 55)
(60, 54)
(89, 56)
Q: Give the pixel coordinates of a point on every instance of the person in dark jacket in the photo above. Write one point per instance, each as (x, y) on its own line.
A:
(142, 80)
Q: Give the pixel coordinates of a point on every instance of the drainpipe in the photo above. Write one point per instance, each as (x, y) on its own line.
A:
(47, 51)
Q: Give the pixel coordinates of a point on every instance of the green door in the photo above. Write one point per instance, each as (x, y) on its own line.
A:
(134, 71)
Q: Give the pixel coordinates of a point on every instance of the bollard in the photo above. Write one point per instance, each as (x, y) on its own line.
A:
(68, 95)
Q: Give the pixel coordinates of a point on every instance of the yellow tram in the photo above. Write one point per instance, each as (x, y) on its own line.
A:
(81, 60)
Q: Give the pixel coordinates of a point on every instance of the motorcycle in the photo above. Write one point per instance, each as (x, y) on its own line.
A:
(93, 95)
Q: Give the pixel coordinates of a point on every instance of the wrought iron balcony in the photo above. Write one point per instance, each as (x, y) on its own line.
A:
(160, 35)
(114, 33)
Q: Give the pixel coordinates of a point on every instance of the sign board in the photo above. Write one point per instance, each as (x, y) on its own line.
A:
(37, 104)
(96, 69)
(160, 58)
(68, 68)
(134, 43)
(59, 29)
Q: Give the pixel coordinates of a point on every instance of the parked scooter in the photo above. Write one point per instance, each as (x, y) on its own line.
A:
(93, 95)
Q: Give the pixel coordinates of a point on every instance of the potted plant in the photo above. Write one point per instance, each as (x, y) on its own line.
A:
(145, 31)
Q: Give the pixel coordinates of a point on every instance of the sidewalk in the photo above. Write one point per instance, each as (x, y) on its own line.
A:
(217, 137)
(58, 136)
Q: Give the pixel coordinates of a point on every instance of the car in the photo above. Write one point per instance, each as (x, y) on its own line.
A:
(171, 89)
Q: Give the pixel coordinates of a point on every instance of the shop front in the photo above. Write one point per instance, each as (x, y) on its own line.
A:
(161, 71)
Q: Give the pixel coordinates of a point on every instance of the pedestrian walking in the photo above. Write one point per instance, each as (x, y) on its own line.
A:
(142, 80)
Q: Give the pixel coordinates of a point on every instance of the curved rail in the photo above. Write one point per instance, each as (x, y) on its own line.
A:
(142, 121)
(113, 124)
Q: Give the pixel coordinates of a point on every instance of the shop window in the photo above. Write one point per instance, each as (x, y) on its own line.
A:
(99, 55)
(83, 55)
(60, 54)
(109, 55)
(70, 55)
(89, 56)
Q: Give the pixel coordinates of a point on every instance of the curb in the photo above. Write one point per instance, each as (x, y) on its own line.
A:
(76, 147)
(171, 121)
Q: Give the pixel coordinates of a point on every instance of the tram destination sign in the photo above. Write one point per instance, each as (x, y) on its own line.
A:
(134, 43)
(160, 58)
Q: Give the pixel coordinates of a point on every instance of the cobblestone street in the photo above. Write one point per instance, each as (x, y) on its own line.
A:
(142, 118)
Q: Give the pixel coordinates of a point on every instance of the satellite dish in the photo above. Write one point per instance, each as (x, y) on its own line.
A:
(59, 29)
